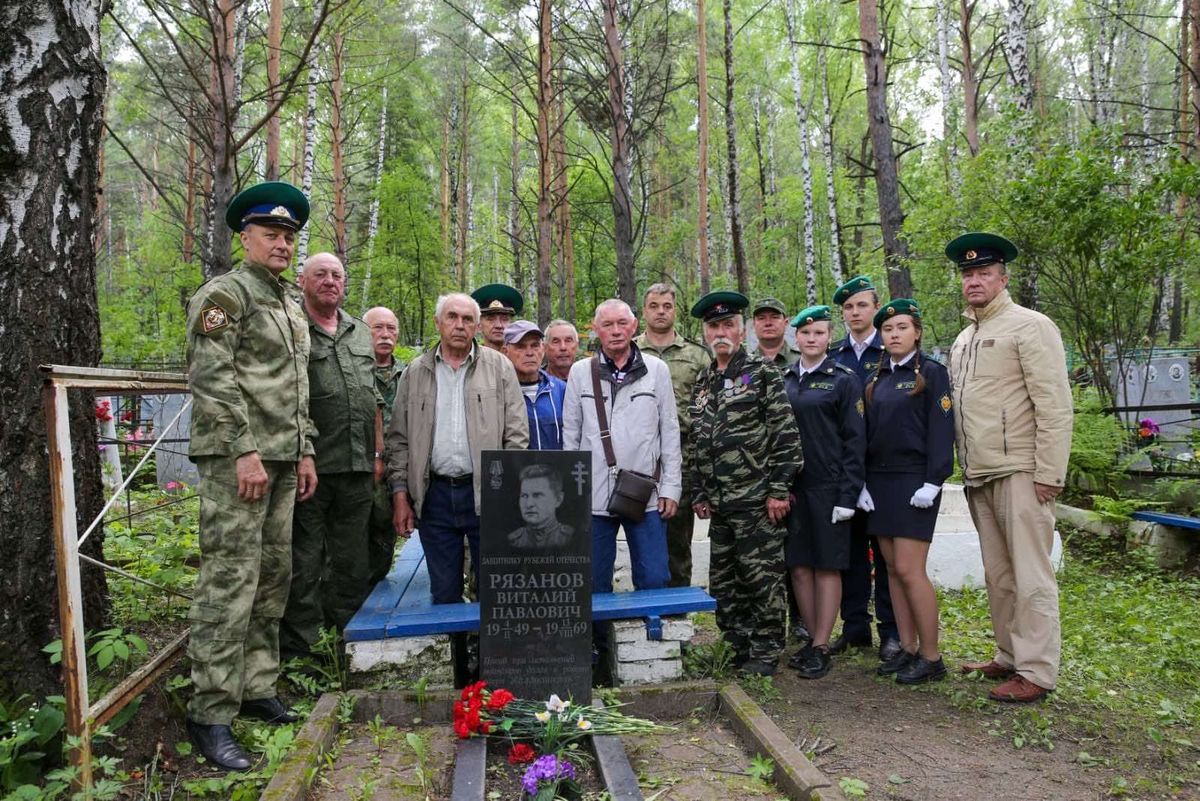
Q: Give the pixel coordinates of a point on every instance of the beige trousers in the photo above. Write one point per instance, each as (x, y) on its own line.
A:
(1016, 534)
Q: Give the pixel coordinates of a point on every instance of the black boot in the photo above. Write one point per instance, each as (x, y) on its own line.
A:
(921, 670)
(896, 664)
(218, 745)
(271, 710)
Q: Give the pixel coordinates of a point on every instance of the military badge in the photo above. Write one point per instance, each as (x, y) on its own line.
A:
(946, 403)
(970, 255)
(213, 318)
(858, 406)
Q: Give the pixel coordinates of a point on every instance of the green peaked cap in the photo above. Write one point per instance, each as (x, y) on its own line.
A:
(977, 249)
(898, 306)
(275, 203)
(859, 283)
(498, 299)
(812, 314)
(716, 305)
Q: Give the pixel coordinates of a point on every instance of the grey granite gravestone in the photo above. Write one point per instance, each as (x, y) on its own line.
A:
(535, 585)
(1163, 381)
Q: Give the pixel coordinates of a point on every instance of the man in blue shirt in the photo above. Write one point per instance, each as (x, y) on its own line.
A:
(524, 346)
(861, 351)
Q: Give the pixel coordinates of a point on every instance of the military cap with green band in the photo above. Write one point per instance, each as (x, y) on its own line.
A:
(978, 249)
(719, 305)
(498, 299)
(773, 304)
(859, 283)
(813, 314)
(894, 307)
(274, 203)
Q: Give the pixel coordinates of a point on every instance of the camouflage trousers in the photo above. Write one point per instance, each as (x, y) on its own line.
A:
(381, 547)
(746, 577)
(245, 566)
(331, 572)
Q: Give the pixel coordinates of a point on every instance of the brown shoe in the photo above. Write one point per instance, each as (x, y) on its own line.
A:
(1018, 690)
(990, 670)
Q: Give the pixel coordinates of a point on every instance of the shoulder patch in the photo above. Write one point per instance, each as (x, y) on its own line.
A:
(945, 403)
(858, 407)
(213, 318)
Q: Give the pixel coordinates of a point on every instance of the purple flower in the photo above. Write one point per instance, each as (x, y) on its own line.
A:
(547, 768)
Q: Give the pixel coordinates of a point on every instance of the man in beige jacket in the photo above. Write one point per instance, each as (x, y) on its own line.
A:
(1012, 412)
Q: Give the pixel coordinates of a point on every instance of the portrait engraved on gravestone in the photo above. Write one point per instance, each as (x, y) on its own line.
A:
(535, 611)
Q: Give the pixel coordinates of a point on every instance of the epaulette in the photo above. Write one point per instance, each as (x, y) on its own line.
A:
(843, 368)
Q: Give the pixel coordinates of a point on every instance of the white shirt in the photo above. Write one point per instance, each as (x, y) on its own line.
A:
(859, 347)
(451, 454)
(903, 361)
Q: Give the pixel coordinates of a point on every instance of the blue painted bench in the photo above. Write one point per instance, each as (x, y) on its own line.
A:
(400, 605)
(1166, 519)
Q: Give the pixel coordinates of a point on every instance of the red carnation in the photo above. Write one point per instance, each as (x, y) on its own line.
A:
(520, 753)
(499, 700)
(460, 728)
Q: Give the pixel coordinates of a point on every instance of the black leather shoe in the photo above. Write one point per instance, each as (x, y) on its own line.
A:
(798, 659)
(897, 663)
(816, 665)
(270, 710)
(889, 648)
(921, 670)
(840, 644)
(218, 746)
(757, 667)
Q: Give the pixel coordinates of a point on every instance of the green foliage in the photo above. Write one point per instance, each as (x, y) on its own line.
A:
(709, 661)
(761, 688)
(852, 787)
(28, 728)
(761, 768)
(1097, 440)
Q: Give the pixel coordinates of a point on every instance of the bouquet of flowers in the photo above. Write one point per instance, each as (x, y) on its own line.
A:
(540, 733)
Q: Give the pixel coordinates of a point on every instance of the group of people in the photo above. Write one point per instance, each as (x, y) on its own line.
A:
(818, 464)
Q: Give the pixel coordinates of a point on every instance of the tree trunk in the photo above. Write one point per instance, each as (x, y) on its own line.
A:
(562, 204)
(337, 138)
(887, 179)
(463, 219)
(836, 258)
(614, 58)
(1017, 52)
(702, 254)
(545, 221)
(52, 81)
(444, 209)
(373, 218)
(189, 204)
(310, 155)
(1194, 70)
(970, 85)
(222, 109)
(514, 200)
(949, 133)
(733, 166)
(810, 256)
(274, 40)
(760, 158)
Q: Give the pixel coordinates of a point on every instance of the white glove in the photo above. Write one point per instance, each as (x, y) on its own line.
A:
(864, 501)
(925, 496)
(841, 513)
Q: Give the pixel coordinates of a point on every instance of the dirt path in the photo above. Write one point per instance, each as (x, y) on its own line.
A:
(945, 742)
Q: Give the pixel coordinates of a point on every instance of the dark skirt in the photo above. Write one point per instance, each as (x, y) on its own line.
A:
(812, 540)
(894, 516)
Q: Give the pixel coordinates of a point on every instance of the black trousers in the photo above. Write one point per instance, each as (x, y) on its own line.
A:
(856, 588)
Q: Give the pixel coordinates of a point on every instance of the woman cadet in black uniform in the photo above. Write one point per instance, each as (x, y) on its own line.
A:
(910, 452)
(827, 401)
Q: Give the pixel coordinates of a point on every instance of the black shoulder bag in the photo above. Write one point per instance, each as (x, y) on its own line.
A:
(631, 490)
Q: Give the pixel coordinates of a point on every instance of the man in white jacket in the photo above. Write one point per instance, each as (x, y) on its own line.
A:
(639, 409)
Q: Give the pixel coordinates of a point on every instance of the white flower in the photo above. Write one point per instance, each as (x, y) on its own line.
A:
(542, 717)
(584, 724)
(556, 704)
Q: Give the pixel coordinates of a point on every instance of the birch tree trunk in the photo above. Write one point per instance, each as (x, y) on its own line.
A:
(949, 118)
(620, 140)
(337, 139)
(733, 166)
(810, 256)
(970, 85)
(373, 218)
(836, 259)
(562, 206)
(309, 158)
(514, 198)
(1017, 51)
(760, 158)
(52, 81)
(702, 247)
(274, 40)
(887, 179)
(545, 221)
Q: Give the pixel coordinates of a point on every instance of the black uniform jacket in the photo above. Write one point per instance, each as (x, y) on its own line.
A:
(829, 413)
(911, 433)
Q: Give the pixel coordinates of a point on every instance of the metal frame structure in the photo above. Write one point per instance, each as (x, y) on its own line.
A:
(82, 717)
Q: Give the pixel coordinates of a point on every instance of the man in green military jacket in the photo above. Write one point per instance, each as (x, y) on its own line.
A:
(330, 569)
(252, 442)
(685, 359)
(745, 454)
(770, 327)
(385, 329)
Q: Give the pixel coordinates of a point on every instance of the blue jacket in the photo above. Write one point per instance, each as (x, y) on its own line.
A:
(546, 413)
(843, 354)
(911, 434)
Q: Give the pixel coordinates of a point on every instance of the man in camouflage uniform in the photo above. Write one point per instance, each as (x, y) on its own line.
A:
(252, 441)
(685, 359)
(385, 329)
(330, 569)
(770, 328)
(745, 453)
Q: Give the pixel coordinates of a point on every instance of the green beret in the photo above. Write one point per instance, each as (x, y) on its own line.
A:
(718, 305)
(498, 299)
(774, 304)
(898, 306)
(860, 283)
(978, 249)
(274, 203)
(813, 314)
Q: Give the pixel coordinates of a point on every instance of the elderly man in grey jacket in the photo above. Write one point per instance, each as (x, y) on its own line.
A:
(639, 410)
